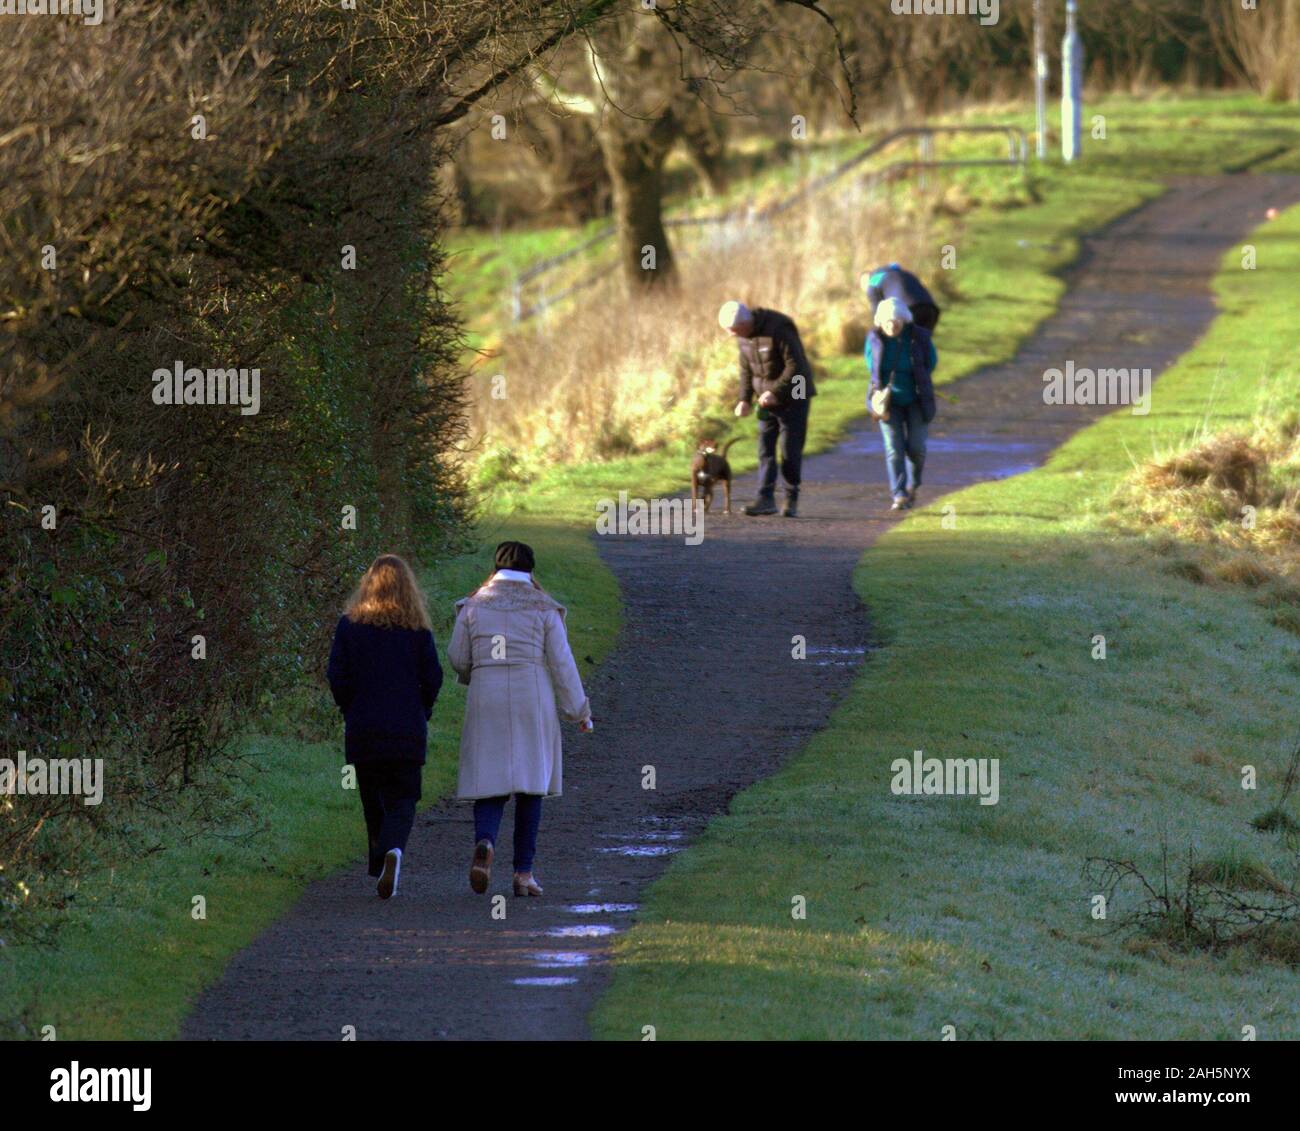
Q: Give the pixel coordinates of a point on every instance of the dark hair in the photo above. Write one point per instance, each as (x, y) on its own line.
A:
(515, 555)
(511, 555)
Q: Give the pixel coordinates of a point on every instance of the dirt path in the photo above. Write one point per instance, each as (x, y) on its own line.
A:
(703, 688)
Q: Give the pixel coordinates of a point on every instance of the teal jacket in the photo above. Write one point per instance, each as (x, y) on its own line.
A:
(907, 372)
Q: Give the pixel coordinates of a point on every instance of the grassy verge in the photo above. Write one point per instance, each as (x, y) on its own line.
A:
(925, 912)
(131, 957)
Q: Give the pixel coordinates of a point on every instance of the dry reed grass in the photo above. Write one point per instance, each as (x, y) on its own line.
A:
(1226, 508)
(613, 375)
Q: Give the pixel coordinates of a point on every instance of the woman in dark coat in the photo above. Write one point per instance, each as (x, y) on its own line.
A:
(384, 675)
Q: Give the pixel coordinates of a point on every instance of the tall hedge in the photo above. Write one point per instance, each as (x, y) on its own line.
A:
(221, 185)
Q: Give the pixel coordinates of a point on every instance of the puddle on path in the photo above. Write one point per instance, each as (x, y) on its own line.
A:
(838, 657)
(869, 443)
(666, 828)
(560, 959)
(647, 836)
(964, 442)
(1009, 470)
(586, 931)
(600, 908)
(549, 981)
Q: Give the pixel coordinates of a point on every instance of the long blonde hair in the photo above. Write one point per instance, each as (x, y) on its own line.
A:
(388, 596)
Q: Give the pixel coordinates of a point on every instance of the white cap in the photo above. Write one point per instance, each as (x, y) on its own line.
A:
(892, 308)
(733, 314)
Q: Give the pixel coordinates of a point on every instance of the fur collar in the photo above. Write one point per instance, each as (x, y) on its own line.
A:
(511, 596)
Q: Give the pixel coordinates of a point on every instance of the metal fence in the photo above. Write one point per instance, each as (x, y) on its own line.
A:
(1017, 156)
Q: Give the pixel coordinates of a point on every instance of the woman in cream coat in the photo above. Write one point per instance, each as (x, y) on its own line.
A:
(510, 646)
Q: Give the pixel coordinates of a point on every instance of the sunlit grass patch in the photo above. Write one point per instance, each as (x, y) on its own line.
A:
(765, 973)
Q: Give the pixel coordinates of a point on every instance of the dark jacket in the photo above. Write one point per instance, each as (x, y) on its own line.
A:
(385, 680)
(771, 357)
(894, 282)
(922, 371)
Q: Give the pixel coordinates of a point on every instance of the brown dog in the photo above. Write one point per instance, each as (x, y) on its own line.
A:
(709, 467)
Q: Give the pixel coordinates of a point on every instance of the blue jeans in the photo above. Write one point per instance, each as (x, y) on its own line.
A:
(904, 434)
(528, 815)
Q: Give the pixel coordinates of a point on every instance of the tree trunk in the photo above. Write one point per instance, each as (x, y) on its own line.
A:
(631, 63)
(635, 162)
(706, 144)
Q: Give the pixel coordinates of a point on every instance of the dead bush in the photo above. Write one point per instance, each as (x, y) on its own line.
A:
(1211, 906)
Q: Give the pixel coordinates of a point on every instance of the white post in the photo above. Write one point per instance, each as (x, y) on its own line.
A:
(1071, 86)
(1040, 80)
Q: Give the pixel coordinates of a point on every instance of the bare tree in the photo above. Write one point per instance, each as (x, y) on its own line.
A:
(655, 77)
(1262, 44)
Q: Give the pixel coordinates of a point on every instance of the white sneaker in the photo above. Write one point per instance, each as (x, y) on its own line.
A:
(387, 885)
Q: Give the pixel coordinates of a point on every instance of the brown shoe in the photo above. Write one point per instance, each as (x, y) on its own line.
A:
(480, 868)
(526, 885)
(387, 884)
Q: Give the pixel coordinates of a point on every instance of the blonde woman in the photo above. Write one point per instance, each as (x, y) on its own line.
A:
(384, 675)
(901, 359)
(510, 646)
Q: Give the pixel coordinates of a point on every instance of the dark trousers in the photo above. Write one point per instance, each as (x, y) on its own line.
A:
(389, 789)
(528, 816)
(790, 426)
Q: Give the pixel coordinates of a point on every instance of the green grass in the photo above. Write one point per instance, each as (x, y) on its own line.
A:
(130, 956)
(927, 912)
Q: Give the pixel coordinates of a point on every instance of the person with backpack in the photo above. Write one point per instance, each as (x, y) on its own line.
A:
(894, 282)
(901, 359)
